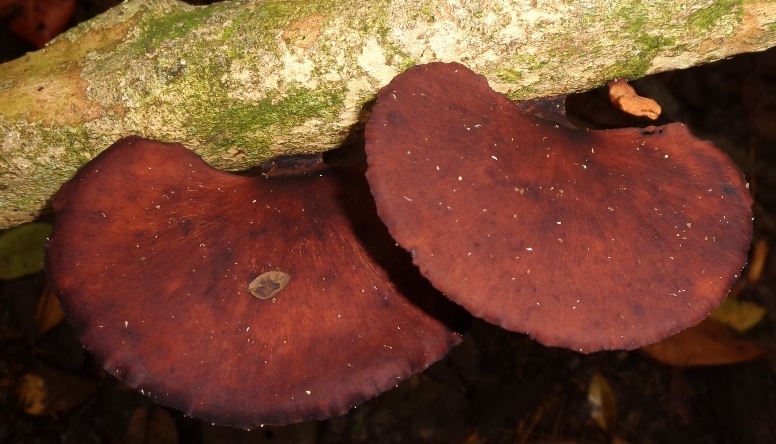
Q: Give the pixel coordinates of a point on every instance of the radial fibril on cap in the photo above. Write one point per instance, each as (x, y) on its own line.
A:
(584, 239)
(152, 255)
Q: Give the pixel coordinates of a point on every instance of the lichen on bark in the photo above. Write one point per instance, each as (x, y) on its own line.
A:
(242, 81)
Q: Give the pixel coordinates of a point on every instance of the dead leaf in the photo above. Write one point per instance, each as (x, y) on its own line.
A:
(741, 315)
(603, 405)
(708, 343)
(33, 394)
(8, 7)
(48, 313)
(473, 438)
(756, 265)
(41, 20)
(21, 249)
(151, 425)
(47, 391)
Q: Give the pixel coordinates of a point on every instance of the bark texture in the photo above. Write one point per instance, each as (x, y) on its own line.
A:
(243, 81)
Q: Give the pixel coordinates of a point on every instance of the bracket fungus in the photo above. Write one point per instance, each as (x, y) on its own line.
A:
(589, 240)
(152, 255)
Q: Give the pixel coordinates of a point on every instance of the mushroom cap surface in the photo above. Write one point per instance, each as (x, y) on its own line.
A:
(588, 240)
(152, 254)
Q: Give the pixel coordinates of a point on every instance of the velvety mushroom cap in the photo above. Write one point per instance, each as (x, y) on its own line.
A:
(584, 239)
(152, 255)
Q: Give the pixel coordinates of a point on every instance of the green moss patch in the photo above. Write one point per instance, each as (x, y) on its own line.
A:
(712, 16)
(264, 120)
(174, 25)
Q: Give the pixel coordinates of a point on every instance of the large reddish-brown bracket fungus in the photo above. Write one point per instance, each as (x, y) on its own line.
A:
(584, 239)
(239, 300)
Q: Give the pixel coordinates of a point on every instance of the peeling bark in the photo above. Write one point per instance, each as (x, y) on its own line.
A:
(242, 81)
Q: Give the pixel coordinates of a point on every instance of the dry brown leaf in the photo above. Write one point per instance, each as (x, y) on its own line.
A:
(33, 394)
(741, 315)
(48, 313)
(41, 20)
(624, 97)
(46, 391)
(151, 425)
(603, 404)
(21, 249)
(473, 438)
(708, 343)
(9, 6)
(756, 265)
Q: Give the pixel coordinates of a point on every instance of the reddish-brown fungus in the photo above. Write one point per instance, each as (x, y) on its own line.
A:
(584, 239)
(152, 255)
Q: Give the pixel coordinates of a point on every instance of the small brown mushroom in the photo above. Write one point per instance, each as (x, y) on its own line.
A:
(153, 253)
(584, 239)
(624, 96)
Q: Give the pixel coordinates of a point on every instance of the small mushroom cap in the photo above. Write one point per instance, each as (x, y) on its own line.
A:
(152, 255)
(584, 239)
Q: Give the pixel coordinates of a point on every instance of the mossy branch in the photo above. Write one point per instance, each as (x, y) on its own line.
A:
(242, 81)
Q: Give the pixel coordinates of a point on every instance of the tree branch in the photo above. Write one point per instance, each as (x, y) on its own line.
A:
(242, 81)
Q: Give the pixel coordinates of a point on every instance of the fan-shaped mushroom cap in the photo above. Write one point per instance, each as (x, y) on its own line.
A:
(583, 239)
(152, 255)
